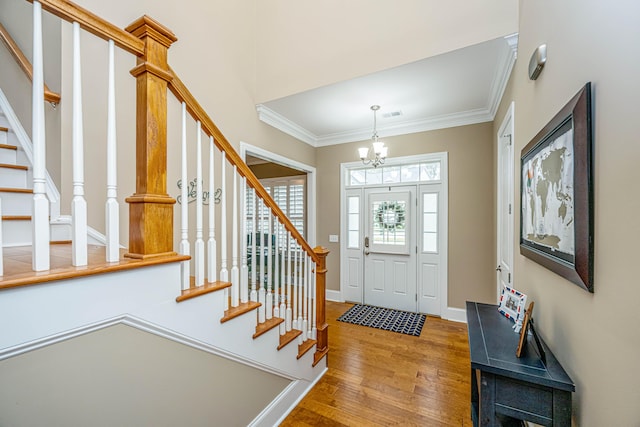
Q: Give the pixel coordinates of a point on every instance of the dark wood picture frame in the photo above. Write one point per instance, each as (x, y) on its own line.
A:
(575, 116)
(524, 330)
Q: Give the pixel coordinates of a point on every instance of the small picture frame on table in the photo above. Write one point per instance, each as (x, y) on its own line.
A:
(512, 305)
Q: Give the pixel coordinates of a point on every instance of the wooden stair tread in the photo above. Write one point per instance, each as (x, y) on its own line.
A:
(267, 325)
(8, 147)
(288, 337)
(4, 129)
(241, 309)
(16, 217)
(305, 346)
(10, 166)
(196, 291)
(15, 190)
(18, 270)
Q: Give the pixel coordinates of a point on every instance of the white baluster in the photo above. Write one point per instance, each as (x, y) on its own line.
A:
(40, 223)
(112, 210)
(305, 297)
(314, 330)
(235, 272)
(276, 267)
(212, 268)
(269, 299)
(289, 313)
(78, 203)
(254, 221)
(261, 291)
(301, 308)
(296, 271)
(307, 315)
(199, 245)
(184, 206)
(244, 270)
(224, 273)
(283, 294)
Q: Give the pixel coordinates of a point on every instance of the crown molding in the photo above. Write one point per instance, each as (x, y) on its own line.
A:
(270, 117)
(470, 117)
(503, 72)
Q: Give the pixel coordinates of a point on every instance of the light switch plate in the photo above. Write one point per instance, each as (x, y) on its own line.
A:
(333, 238)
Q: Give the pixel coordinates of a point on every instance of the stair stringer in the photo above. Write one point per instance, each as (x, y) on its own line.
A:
(51, 311)
(24, 142)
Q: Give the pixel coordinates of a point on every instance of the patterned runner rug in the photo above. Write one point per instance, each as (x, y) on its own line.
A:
(385, 318)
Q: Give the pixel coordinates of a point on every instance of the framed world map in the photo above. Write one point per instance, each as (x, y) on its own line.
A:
(556, 193)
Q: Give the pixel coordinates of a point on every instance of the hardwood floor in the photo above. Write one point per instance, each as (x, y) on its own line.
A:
(381, 378)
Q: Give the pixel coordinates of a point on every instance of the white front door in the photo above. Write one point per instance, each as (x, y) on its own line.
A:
(390, 247)
(505, 203)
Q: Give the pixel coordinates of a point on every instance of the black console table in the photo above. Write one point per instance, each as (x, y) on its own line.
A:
(505, 387)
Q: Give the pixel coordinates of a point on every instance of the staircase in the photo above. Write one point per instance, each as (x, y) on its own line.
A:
(15, 190)
(271, 320)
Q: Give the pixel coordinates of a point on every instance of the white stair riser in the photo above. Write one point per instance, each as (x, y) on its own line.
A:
(16, 203)
(8, 156)
(13, 178)
(16, 233)
(3, 137)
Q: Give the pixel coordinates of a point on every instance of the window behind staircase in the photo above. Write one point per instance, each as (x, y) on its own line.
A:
(290, 195)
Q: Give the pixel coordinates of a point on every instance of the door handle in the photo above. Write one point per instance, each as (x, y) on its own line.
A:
(366, 251)
(499, 268)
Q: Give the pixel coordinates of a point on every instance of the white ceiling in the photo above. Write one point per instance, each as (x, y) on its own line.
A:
(453, 89)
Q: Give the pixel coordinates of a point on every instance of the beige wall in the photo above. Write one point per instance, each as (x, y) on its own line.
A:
(273, 170)
(595, 336)
(306, 44)
(123, 376)
(471, 201)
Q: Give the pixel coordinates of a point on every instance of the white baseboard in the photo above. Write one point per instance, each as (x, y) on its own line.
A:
(332, 295)
(282, 405)
(455, 314)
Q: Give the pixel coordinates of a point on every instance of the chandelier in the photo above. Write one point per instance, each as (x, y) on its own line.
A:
(379, 150)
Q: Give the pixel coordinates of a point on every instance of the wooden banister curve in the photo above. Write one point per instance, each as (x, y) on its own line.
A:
(24, 63)
(180, 91)
(92, 23)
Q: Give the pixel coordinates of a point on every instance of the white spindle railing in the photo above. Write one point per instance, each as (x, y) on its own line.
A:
(254, 286)
(78, 203)
(261, 277)
(244, 269)
(199, 245)
(112, 216)
(235, 272)
(269, 270)
(40, 222)
(276, 269)
(212, 254)
(289, 312)
(184, 207)
(283, 295)
(224, 273)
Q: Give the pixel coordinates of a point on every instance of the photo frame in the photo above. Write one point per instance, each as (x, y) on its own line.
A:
(512, 304)
(556, 193)
(525, 330)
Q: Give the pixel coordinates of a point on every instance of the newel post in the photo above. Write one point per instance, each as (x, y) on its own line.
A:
(150, 207)
(322, 339)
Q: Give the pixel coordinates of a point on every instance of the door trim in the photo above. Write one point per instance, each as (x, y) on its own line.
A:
(311, 182)
(446, 312)
(506, 128)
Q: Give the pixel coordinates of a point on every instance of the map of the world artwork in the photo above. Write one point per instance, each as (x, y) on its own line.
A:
(547, 196)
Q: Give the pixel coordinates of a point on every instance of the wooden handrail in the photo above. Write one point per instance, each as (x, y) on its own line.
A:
(24, 63)
(180, 91)
(97, 26)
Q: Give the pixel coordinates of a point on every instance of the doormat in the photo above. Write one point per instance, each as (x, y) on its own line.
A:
(402, 322)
